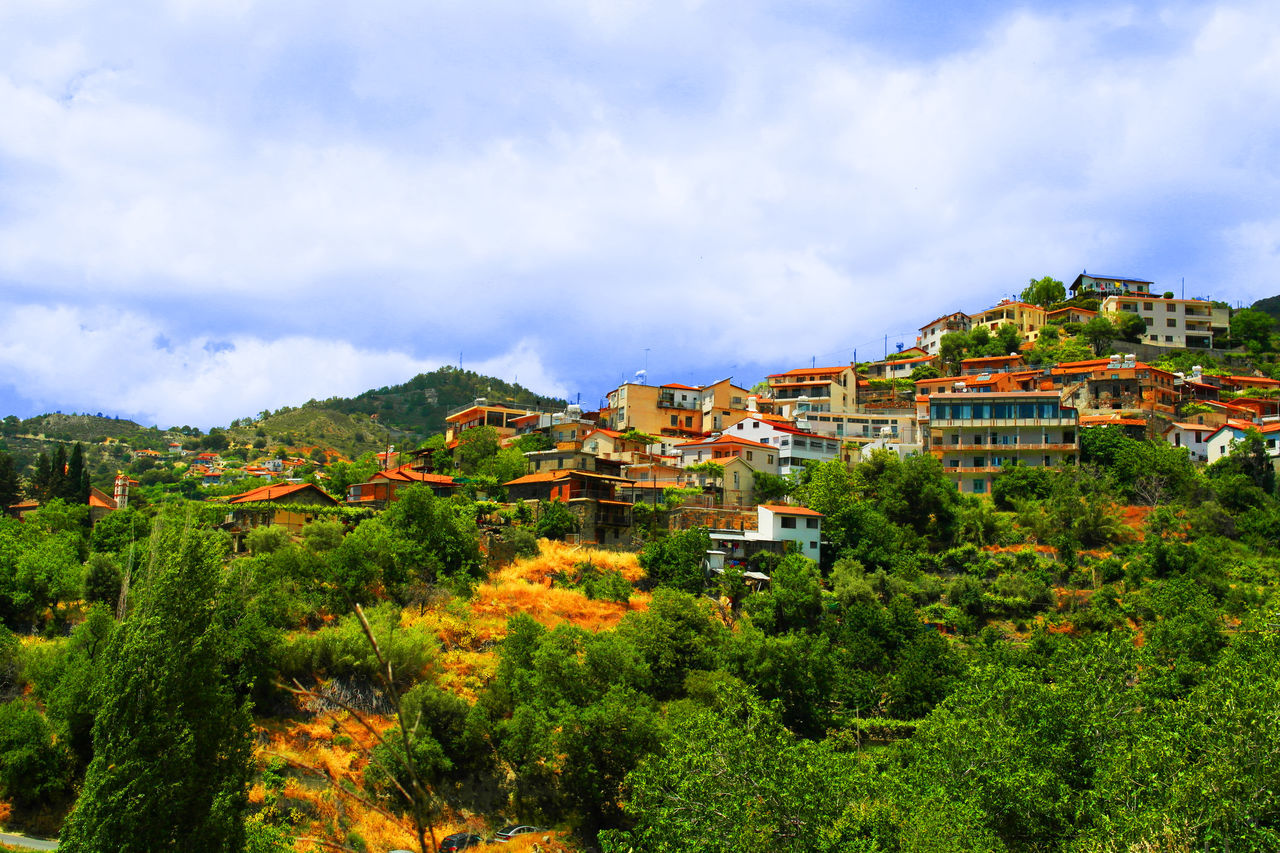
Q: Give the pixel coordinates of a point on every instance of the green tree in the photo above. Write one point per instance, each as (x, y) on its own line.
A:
(172, 745)
(1253, 329)
(1131, 328)
(555, 521)
(675, 560)
(1099, 332)
(10, 488)
(1044, 291)
(474, 447)
(32, 767)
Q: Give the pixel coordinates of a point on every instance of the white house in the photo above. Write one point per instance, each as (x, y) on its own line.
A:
(798, 525)
(1194, 437)
(794, 446)
(1219, 444)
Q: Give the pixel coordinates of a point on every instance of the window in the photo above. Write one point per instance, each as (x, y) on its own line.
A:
(1146, 306)
(979, 461)
(979, 486)
(1172, 322)
(953, 463)
(955, 438)
(755, 425)
(1168, 339)
(675, 421)
(739, 424)
(748, 458)
(770, 458)
(688, 421)
(1169, 306)
(812, 523)
(788, 522)
(813, 546)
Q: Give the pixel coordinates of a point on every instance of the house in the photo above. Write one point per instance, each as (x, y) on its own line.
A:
(674, 409)
(819, 389)
(794, 446)
(900, 367)
(1117, 383)
(1223, 439)
(1109, 285)
(291, 506)
(1175, 323)
(1194, 437)
(975, 435)
(502, 417)
(1069, 314)
(992, 364)
(100, 504)
(603, 516)
(727, 446)
(384, 486)
(1027, 318)
(930, 336)
(799, 528)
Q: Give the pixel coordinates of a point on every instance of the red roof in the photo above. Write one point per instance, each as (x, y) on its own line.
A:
(726, 439)
(816, 371)
(681, 387)
(783, 509)
(273, 492)
(406, 474)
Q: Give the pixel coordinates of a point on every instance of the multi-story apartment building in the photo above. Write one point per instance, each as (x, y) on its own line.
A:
(1177, 323)
(974, 435)
(821, 389)
(674, 409)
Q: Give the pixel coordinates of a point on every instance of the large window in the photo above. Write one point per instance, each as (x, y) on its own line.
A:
(788, 522)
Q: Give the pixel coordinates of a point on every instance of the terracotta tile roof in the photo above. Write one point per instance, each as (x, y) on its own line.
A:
(681, 387)
(782, 509)
(1199, 427)
(405, 474)
(1107, 420)
(725, 439)
(273, 492)
(816, 371)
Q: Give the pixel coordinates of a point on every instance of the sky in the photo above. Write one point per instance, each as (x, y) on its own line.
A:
(208, 209)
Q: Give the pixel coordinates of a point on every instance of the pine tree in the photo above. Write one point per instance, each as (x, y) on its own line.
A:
(171, 743)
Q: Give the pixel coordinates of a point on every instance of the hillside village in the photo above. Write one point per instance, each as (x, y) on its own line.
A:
(1014, 384)
(841, 577)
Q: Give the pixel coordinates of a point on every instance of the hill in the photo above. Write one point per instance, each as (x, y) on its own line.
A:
(1270, 305)
(91, 429)
(414, 409)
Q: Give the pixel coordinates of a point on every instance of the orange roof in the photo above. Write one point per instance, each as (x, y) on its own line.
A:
(272, 492)
(801, 371)
(725, 439)
(98, 499)
(612, 433)
(681, 387)
(783, 509)
(406, 473)
(1107, 420)
(548, 476)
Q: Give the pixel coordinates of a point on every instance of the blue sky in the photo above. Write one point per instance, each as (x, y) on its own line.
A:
(211, 208)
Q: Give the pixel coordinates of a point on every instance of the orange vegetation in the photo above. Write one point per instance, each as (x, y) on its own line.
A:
(331, 751)
(525, 587)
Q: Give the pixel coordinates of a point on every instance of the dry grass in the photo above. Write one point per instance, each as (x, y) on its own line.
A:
(337, 747)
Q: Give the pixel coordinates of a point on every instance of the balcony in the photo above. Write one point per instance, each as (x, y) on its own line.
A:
(668, 401)
(1008, 448)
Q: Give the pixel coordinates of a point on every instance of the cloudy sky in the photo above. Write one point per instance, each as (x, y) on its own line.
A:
(211, 207)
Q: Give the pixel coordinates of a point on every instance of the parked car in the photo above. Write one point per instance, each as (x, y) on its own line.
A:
(460, 841)
(508, 832)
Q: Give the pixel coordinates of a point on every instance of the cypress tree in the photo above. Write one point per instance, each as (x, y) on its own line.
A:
(74, 484)
(9, 487)
(57, 475)
(38, 487)
(171, 743)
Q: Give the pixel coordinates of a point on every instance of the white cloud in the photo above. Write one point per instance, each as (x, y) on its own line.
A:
(606, 177)
(118, 362)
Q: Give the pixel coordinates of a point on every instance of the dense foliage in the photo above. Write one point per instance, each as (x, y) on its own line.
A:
(1089, 660)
